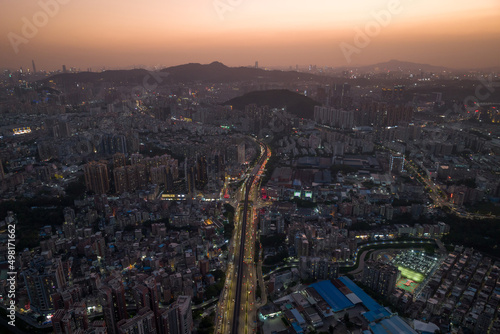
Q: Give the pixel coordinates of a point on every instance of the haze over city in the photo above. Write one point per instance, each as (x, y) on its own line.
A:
(121, 34)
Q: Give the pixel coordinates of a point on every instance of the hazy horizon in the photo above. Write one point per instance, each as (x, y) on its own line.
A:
(126, 34)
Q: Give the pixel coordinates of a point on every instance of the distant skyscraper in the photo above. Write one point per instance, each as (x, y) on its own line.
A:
(241, 153)
(120, 144)
(34, 67)
(2, 173)
(256, 64)
(201, 172)
(190, 180)
(64, 68)
(96, 177)
(120, 177)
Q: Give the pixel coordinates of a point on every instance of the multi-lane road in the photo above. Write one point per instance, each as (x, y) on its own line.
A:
(438, 197)
(436, 194)
(236, 310)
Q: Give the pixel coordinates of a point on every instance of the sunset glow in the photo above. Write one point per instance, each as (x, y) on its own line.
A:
(278, 33)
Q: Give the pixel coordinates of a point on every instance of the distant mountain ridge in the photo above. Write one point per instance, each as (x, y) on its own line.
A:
(296, 104)
(218, 72)
(192, 72)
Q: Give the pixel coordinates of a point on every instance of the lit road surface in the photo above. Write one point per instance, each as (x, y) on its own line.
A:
(236, 310)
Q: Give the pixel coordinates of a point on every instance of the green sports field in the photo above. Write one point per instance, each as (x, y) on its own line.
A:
(413, 275)
(401, 284)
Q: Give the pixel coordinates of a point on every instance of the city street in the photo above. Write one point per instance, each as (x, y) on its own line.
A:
(236, 311)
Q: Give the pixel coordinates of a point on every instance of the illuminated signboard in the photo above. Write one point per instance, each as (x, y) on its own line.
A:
(296, 193)
(309, 194)
(22, 131)
(173, 197)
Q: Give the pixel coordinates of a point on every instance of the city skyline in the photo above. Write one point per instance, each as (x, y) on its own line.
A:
(231, 166)
(237, 33)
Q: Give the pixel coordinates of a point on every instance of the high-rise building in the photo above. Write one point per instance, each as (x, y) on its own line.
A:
(141, 296)
(143, 323)
(120, 177)
(154, 291)
(69, 230)
(241, 153)
(2, 173)
(272, 223)
(337, 118)
(318, 268)
(131, 178)
(381, 277)
(120, 144)
(142, 175)
(132, 181)
(69, 214)
(34, 67)
(61, 322)
(68, 321)
(201, 172)
(190, 179)
(42, 280)
(113, 303)
(96, 177)
(204, 266)
(119, 160)
(78, 312)
(136, 158)
(185, 314)
(158, 174)
(169, 181)
(178, 318)
(169, 320)
(381, 114)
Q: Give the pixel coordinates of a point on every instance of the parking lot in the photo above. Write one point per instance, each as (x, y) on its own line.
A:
(416, 261)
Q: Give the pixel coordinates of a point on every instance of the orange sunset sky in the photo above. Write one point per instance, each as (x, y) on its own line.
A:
(124, 33)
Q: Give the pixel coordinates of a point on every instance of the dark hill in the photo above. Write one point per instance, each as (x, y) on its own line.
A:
(218, 72)
(298, 105)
